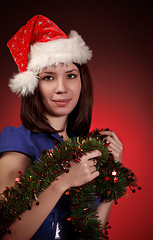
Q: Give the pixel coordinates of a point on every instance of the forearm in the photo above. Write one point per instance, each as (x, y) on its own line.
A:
(104, 209)
(31, 220)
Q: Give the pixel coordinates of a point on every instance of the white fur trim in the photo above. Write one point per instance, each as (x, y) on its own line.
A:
(24, 83)
(72, 49)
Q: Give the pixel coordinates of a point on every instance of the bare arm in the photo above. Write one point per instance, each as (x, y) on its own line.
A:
(104, 209)
(116, 148)
(12, 162)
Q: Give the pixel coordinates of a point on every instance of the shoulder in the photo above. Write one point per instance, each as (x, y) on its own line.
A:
(25, 141)
(10, 134)
(14, 130)
(20, 129)
(15, 139)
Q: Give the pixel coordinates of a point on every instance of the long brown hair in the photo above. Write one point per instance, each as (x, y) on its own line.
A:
(79, 120)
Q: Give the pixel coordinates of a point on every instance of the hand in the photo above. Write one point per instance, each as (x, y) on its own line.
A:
(115, 145)
(81, 172)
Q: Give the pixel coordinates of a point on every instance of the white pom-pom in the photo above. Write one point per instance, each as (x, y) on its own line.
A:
(24, 83)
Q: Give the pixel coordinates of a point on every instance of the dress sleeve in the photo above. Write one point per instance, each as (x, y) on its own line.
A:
(13, 139)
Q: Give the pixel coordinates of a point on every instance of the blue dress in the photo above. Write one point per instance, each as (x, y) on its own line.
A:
(33, 144)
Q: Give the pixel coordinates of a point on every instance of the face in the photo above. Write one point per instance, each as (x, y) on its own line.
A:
(60, 88)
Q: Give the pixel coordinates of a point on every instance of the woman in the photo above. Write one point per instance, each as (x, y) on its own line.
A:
(56, 90)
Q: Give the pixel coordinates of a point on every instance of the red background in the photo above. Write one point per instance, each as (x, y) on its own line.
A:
(120, 35)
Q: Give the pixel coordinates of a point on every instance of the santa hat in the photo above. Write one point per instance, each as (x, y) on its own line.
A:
(41, 43)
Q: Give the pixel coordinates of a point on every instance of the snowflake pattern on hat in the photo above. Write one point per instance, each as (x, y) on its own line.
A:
(37, 29)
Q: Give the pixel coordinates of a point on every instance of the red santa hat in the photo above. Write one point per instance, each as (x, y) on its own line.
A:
(42, 43)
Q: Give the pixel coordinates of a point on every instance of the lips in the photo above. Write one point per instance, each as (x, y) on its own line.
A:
(61, 102)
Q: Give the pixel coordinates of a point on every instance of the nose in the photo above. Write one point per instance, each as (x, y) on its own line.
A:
(60, 86)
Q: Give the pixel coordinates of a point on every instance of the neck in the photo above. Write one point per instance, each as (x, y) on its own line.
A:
(59, 123)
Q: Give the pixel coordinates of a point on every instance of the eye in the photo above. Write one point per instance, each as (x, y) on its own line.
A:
(47, 78)
(71, 75)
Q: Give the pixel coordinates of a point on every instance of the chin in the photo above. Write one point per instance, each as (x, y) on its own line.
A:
(61, 113)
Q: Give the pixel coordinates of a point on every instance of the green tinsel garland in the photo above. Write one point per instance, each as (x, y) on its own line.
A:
(111, 184)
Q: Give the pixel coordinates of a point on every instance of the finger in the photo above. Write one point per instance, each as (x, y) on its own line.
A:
(92, 154)
(92, 162)
(115, 153)
(93, 169)
(111, 134)
(94, 175)
(113, 147)
(113, 142)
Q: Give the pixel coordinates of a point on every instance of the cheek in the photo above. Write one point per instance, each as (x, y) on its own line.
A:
(77, 90)
(45, 91)
(78, 94)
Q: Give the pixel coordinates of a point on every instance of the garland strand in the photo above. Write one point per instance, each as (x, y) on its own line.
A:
(111, 184)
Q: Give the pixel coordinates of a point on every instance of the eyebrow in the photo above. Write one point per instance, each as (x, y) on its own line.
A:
(72, 70)
(65, 72)
(48, 73)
